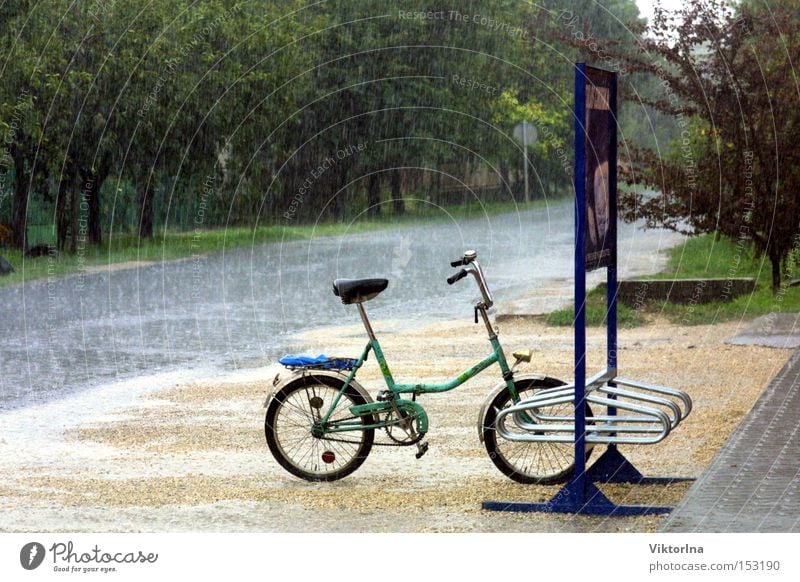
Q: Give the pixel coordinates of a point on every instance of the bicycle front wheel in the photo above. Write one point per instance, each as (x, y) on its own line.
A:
(293, 412)
(543, 463)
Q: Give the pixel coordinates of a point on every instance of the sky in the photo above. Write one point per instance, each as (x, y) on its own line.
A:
(646, 7)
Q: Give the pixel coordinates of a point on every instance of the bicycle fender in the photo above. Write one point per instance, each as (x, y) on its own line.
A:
(286, 377)
(539, 379)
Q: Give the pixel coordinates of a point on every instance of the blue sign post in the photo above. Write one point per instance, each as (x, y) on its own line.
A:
(596, 247)
(595, 235)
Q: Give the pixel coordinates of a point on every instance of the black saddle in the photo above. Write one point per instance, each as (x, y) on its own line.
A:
(358, 290)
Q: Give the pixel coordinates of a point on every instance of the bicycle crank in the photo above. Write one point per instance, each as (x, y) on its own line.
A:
(410, 423)
(402, 428)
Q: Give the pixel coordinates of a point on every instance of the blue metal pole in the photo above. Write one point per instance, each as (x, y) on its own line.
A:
(611, 272)
(579, 479)
(581, 495)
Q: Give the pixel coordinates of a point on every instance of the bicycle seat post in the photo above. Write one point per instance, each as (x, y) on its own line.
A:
(365, 319)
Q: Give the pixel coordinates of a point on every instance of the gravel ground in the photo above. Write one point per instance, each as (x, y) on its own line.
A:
(190, 456)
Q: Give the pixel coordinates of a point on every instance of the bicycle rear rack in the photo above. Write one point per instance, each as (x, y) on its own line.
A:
(655, 412)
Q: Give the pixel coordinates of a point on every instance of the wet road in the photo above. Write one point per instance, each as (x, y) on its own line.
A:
(239, 308)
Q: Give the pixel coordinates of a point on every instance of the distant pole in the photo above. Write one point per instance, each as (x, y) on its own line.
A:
(525, 158)
(526, 134)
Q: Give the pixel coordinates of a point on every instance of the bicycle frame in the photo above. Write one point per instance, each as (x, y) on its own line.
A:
(497, 356)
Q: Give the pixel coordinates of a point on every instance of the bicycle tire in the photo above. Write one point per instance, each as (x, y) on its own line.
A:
(542, 463)
(290, 417)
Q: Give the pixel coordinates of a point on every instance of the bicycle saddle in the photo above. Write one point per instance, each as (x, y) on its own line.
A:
(358, 290)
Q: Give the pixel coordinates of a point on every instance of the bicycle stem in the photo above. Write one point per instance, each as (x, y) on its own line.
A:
(477, 272)
(486, 322)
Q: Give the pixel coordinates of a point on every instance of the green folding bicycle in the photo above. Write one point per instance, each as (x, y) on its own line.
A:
(320, 422)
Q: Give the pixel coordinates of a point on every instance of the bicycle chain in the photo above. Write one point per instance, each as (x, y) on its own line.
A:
(376, 444)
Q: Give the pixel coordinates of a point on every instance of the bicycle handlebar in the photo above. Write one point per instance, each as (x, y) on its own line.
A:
(460, 275)
(470, 260)
(468, 257)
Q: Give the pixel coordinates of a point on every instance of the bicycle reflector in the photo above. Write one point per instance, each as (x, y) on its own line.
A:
(328, 457)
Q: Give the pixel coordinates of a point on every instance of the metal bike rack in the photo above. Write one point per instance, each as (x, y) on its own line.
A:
(633, 412)
(656, 411)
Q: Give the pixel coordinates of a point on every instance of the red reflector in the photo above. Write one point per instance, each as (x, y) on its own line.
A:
(328, 457)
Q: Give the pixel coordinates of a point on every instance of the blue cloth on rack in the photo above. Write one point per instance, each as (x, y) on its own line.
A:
(321, 361)
(304, 360)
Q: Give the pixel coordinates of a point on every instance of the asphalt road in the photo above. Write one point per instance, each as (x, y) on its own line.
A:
(238, 308)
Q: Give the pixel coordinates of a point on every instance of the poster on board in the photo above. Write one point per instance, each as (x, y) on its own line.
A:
(600, 167)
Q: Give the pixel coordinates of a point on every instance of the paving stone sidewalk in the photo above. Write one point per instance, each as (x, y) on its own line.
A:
(774, 330)
(753, 484)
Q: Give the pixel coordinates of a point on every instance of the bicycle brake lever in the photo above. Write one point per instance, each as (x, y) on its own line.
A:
(476, 315)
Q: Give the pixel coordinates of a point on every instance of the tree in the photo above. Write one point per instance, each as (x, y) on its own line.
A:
(727, 78)
(158, 100)
(143, 118)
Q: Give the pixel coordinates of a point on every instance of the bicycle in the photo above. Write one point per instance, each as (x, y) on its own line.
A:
(320, 422)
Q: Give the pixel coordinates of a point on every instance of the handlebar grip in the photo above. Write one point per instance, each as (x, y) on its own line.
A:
(457, 263)
(460, 275)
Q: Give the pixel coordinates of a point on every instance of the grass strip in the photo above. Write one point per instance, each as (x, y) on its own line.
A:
(705, 256)
(171, 245)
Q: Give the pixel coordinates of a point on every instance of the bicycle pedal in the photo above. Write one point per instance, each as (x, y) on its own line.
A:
(422, 449)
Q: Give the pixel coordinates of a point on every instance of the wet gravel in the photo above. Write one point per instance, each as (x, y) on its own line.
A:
(178, 455)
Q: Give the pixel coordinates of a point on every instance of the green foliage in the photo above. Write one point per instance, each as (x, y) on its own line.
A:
(596, 311)
(720, 257)
(123, 117)
(706, 256)
(726, 74)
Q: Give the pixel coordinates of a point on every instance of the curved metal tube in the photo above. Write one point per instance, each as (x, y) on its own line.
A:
(530, 415)
(677, 413)
(674, 392)
(596, 431)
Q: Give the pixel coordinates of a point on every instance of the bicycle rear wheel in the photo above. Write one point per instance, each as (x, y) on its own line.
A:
(288, 424)
(543, 463)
